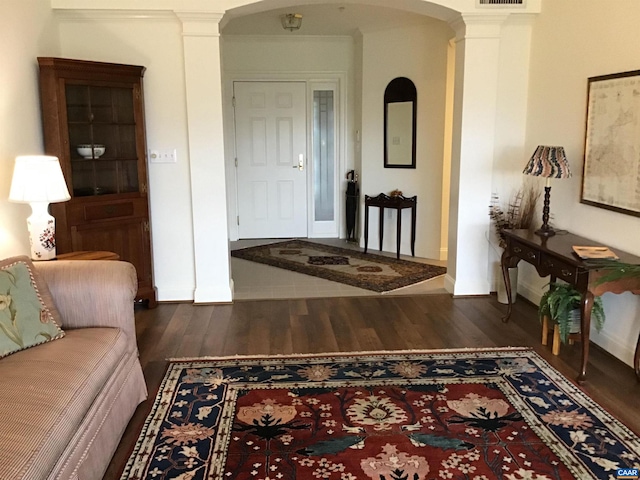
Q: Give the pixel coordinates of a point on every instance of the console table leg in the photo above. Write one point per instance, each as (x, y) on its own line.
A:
(636, 359)
(398, 232)
(587, 305)
(413, 231)
(366, 228)
(505, 262)
(381, 231)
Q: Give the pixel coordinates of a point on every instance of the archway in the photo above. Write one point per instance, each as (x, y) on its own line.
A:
(492, 66)
(481, 67)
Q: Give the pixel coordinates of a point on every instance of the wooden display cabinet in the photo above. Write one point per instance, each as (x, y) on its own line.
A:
(100, 105)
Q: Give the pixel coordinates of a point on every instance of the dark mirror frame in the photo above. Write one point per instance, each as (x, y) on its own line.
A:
(400, 89)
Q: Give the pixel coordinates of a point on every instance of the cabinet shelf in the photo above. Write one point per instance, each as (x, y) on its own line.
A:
(87, 122)
(98, 192)
(103, 159)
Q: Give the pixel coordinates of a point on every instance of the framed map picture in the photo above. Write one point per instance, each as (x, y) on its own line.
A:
(611, 176)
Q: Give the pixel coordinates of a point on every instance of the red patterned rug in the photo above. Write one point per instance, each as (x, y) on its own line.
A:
(466, 414)
(351, 267)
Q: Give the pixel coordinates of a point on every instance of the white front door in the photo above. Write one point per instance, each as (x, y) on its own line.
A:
(271, 148)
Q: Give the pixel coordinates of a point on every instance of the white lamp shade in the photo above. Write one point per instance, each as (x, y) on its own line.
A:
(38, 178)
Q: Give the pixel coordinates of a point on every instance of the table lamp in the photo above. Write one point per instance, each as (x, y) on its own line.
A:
(38, 181)
(547, 162)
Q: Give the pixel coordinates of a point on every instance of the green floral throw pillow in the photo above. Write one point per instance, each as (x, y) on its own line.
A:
(25, 320)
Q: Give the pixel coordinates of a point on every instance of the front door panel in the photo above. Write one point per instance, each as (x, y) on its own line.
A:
(271, 151)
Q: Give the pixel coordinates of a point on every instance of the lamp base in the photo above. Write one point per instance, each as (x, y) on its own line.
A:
(42, 232)
(545, 232)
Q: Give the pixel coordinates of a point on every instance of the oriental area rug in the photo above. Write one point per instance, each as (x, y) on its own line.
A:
(351, 267)
(442, 414)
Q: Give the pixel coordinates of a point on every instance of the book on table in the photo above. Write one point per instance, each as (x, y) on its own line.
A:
(589, 253)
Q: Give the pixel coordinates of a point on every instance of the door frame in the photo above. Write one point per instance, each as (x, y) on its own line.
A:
(310, 79)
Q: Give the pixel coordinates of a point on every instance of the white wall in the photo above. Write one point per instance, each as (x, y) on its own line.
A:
(155, 43)
(284, 53)
(511, 153)
(572, 41)
(287, 57)
(27, 31)
(385, 57)
(447, 147)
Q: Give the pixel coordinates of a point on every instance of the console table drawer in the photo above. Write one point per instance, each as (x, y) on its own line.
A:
(526, 253)
(560, 269)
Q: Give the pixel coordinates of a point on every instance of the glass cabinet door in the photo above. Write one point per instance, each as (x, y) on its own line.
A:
(102, 139)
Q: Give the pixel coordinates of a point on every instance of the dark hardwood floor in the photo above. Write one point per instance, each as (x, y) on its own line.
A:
(360, 324)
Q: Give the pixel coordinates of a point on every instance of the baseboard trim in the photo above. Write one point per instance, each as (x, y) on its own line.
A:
(213, 295)
(175, 294)
(531, 293)
(470, 289)
(449, 283)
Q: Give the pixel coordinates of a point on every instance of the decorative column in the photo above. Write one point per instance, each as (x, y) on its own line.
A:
(474, 119)
(202, 65)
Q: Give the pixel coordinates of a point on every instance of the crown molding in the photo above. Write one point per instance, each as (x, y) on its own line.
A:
(88, 14)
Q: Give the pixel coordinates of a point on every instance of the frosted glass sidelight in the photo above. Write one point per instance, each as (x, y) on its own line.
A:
(324, 157)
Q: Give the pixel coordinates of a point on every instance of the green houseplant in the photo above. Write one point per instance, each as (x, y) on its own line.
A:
(560, 301)
(616, 270)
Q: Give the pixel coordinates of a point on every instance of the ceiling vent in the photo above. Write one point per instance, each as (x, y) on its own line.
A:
(501, 2)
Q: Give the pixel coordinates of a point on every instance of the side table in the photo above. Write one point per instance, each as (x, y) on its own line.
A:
(383, 201)
(88, 255)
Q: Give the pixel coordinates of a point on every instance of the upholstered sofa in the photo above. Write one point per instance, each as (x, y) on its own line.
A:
(64, 404)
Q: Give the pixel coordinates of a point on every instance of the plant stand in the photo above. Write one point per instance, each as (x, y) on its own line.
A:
(549, 325)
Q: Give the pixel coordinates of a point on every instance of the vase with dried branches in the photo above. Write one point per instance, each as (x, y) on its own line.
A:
(518, 213)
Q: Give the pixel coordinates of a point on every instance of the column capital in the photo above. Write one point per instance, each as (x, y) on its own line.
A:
(476, 25)
(199, 24)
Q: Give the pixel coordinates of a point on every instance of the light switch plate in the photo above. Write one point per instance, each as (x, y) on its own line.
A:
(163, 156)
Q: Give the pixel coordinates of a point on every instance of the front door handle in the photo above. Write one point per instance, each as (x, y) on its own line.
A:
(300, 165)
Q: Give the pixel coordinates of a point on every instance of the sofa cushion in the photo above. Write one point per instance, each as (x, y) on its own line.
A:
(27, 317)
(45, 392)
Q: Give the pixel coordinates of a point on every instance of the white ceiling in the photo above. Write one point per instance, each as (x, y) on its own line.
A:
(325, 19)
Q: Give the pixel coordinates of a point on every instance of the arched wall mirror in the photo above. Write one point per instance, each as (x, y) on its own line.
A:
(400, 109)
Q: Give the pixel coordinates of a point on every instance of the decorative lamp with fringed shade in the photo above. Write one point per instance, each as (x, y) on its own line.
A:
(547, 162)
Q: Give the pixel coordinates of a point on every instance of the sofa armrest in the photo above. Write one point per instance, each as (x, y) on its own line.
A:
(92, 293)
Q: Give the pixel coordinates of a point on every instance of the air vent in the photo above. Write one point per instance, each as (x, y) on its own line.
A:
(501, 2)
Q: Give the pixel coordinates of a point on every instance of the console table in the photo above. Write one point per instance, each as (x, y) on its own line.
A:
(399, 202)
(554, 256)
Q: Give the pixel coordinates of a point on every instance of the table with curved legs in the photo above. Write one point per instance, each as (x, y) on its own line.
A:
(554, 256)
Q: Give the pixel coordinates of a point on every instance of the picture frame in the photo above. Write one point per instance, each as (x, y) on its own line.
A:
(611, 170)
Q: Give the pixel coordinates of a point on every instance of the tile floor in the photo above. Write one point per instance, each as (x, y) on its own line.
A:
(253, 281)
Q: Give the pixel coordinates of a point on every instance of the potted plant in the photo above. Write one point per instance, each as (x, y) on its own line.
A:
(561, 303)
(518, 213)
(615, 270)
